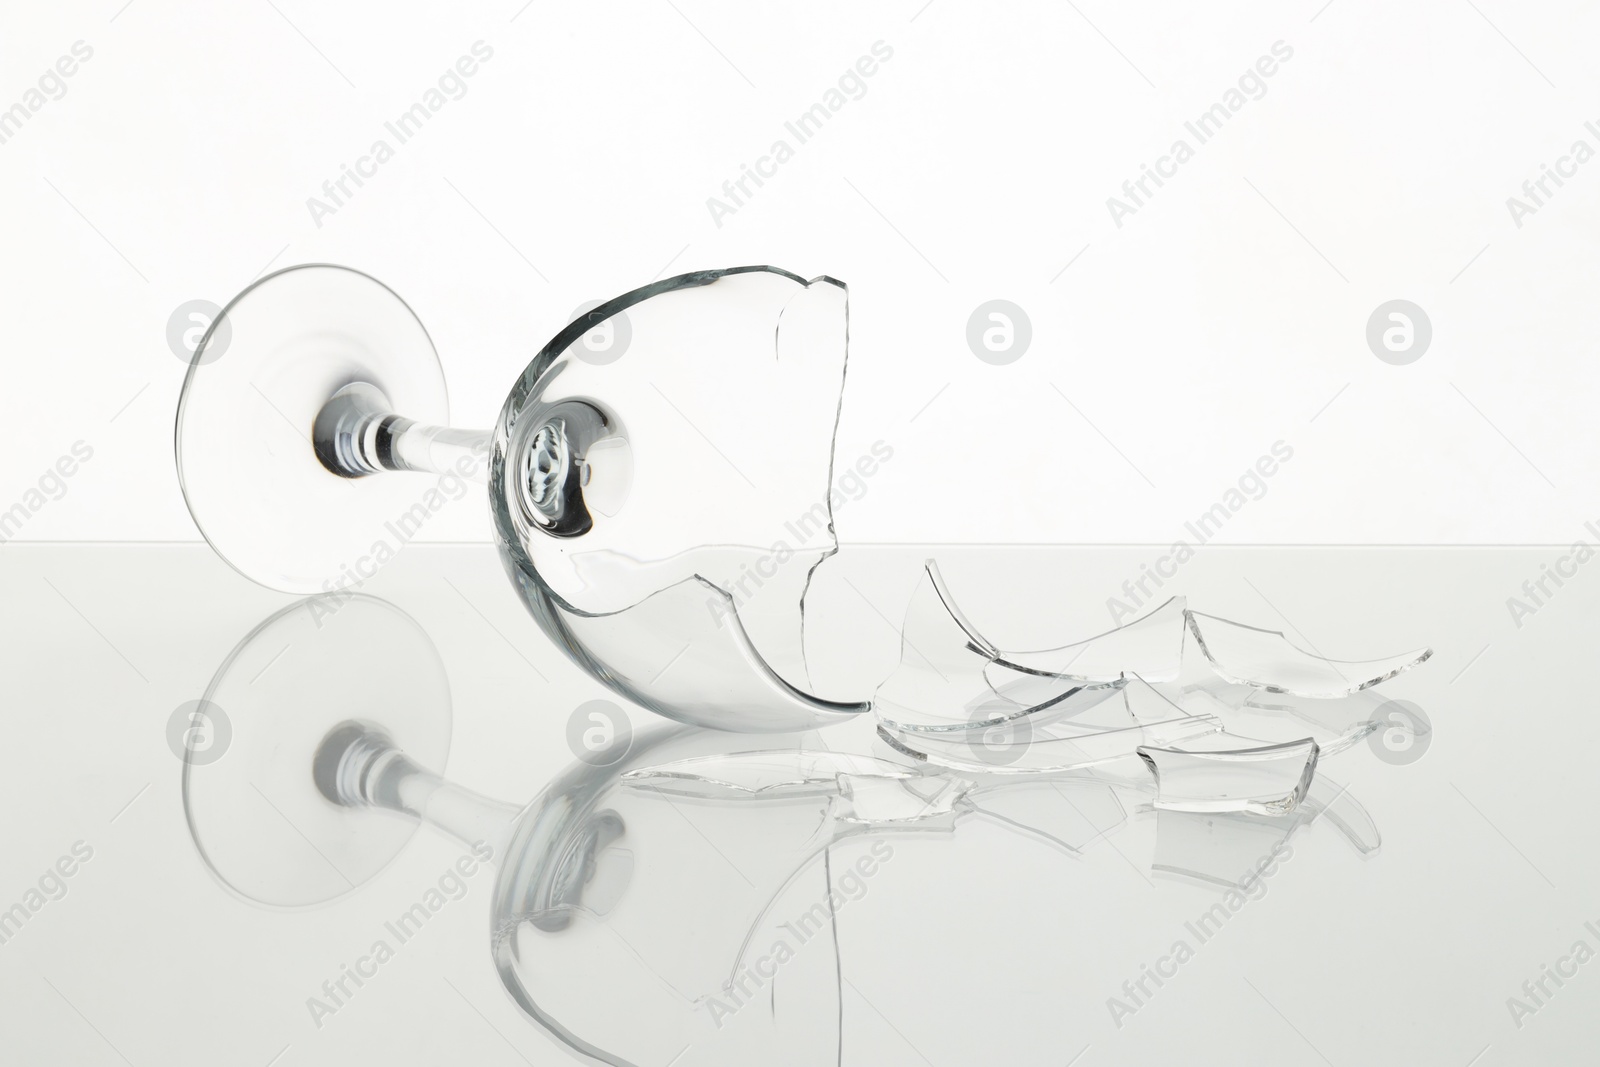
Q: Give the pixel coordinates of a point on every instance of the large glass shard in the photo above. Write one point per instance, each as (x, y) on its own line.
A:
(1150, 647)
(671, 651)
(940, 684)
(1270, 780)
(672, 488)
(1268, 660)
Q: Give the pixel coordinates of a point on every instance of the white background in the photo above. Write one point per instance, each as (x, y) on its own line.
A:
(1227, 314)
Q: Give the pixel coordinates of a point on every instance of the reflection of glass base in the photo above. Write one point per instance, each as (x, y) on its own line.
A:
(256, 813)
(249, 471)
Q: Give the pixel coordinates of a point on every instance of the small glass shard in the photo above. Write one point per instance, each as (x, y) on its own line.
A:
(1150, 646)
(1270, 780)
(1268, 660)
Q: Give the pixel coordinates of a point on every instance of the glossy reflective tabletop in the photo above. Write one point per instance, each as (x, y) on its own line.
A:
(1466, 938)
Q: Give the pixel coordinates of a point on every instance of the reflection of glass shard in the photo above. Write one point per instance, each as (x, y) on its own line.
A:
(879, 801)
(1224, 848)
(1328, 799)
(1151, 647)
(1114, 727)
(1268, 660)
(778, 774)
(1270, 780)
(1336, 723)
(1064, 814)
(1217, 848)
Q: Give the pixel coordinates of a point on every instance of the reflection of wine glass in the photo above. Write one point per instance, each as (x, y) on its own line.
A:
(640, 501)
(615, 925)
(683, 892)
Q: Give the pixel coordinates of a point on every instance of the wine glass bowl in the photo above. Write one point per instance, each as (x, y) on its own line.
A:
(660, 512)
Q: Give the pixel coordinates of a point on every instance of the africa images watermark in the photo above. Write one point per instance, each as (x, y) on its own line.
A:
(1251, 85)
(847, 488)
(50, 487)
(449, 487)
(1536, 592)
(1538, 991)
(338, 991)
(1251, 485)
(451, 85)
(51, 85)
(797, 932)
(1537, 191)
(50, 886)
(852, 85)
(1137, 992)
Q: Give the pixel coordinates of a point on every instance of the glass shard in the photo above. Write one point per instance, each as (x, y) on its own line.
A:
(1150, 646)
(1268, 660)
(939, 682)
(673, 651)
(1270, 780)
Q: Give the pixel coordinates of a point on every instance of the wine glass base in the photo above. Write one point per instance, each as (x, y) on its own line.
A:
(258, 818)
(246, 462)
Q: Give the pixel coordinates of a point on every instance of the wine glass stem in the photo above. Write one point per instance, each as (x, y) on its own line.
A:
(415, 446)
(357, 433)
(372, 772)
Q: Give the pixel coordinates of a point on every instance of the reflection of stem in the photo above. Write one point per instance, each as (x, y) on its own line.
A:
(357, 765)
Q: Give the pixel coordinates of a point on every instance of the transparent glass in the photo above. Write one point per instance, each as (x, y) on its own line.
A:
(660, 506)
(683, 895)
(681, 902)
(662, 503)
(1234, 727)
